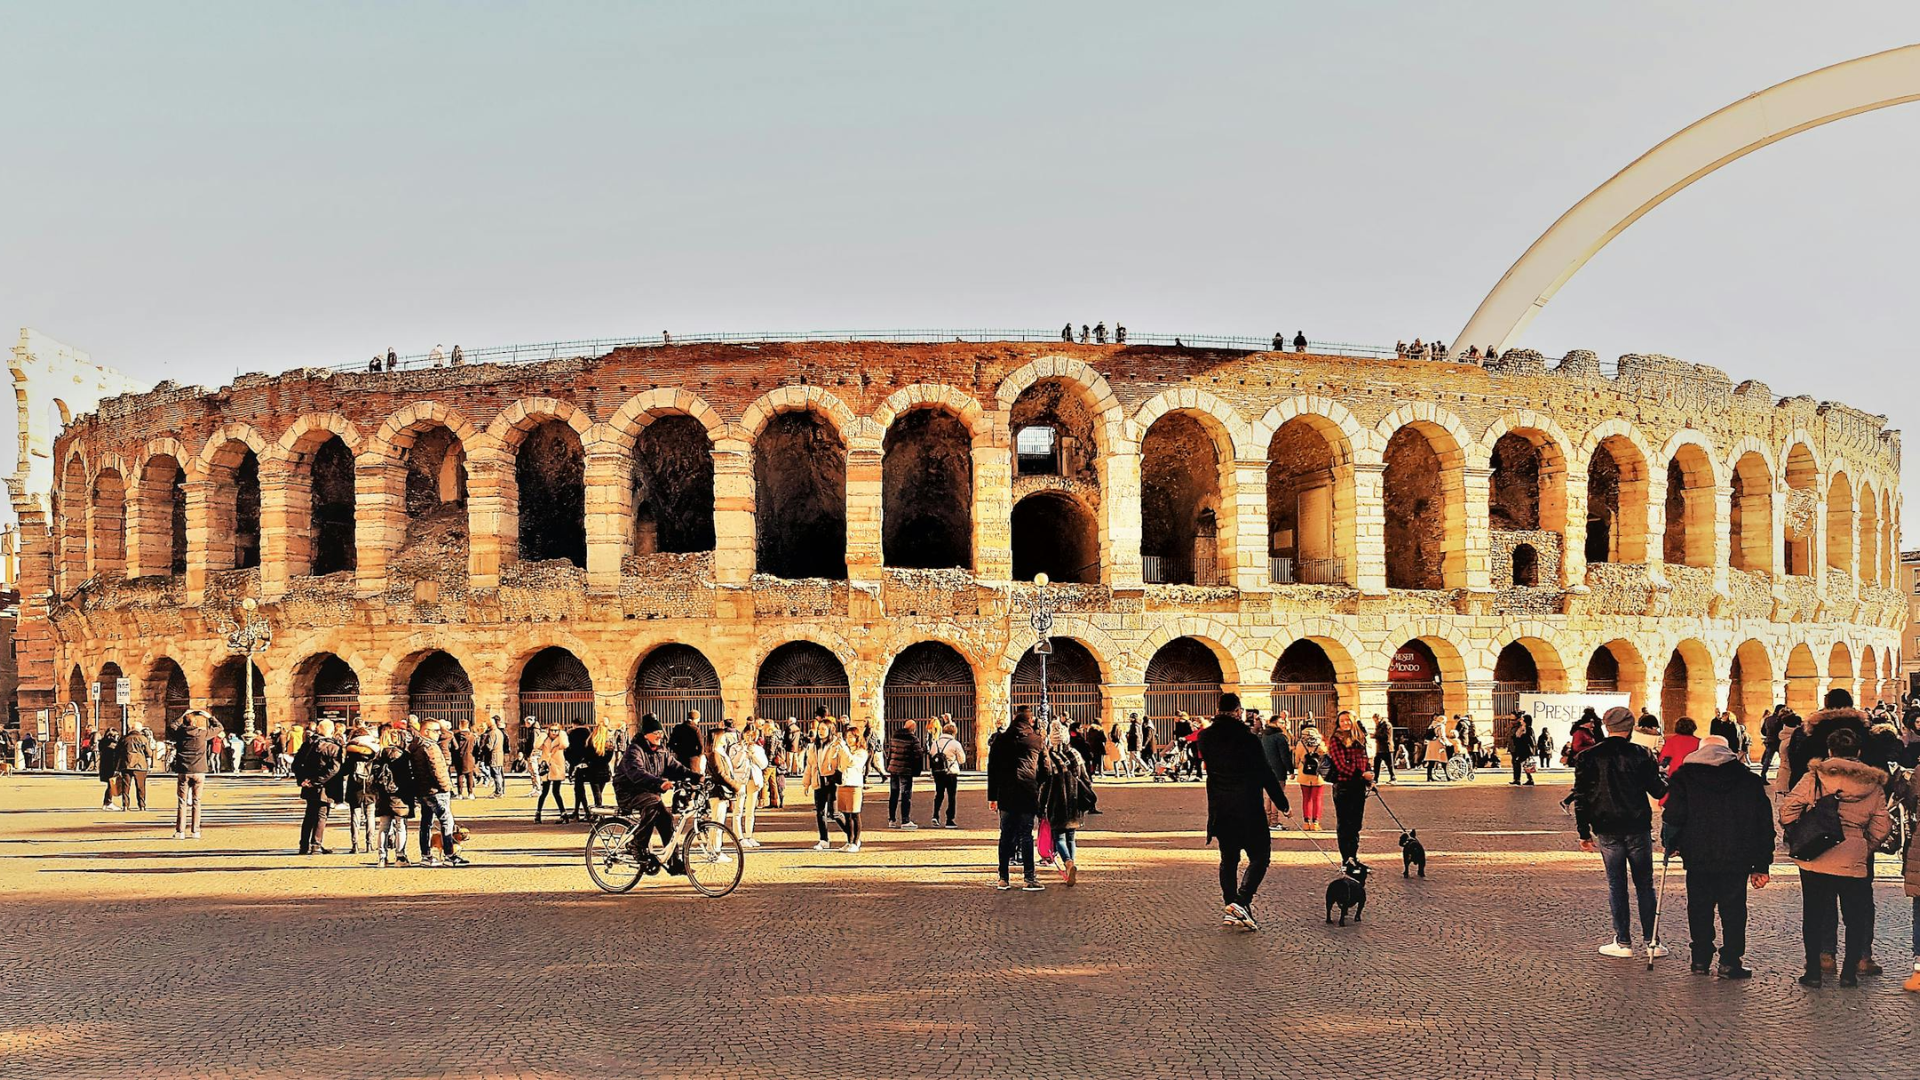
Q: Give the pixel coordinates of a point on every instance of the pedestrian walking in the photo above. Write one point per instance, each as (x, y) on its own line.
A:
(1383, 748)
(593, 768)
(1065, 801)
(946, 759)
(1350, 779)
(905, 762)
(1016, 769)
(1237, 774)
(1677, 747)
(1097, 743)
(356, 789)
(1278, 748)
(317, 770)
(531, 731)
(496, 750)
(1910, 874)
(722, 766)
(433, 786)
(1770, 729)
(1309, 750)
(136, 760)
(107, 760)
(548, 765)
(1612, 785)
(1719, 820)
(189, 741)
(1841, 873)
(1520, 747)
(747, 761)
(393, 793)
(849, 756)
(463, 759)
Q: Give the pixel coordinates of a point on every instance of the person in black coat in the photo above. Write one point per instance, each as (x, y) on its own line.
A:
(107, 756)
(1521, 746)
(1719, 820)
(1237, 774)
(1613, 781)
(1809, 742)
(317, 768)
(1016, 769)
(906, 758)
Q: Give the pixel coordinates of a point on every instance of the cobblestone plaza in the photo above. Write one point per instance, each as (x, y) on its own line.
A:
(128, 955)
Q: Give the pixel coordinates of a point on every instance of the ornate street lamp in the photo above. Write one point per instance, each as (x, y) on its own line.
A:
(1040, 617)
(248, 632)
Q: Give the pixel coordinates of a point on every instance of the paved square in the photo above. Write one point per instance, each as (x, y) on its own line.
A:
(127, 954)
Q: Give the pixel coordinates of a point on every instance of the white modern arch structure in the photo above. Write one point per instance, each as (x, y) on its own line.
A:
(1757, 120)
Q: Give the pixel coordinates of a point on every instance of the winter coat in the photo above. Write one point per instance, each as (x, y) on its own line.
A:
(552, 751)
(460, 759)
(815, 771)
(647, 771)
(1069, 789)
(1612, 784)
(107, 756)
(317, 767)
(430, 775)
(1096, 747)
(1237, 775)
(397, 766)
(1520, 743)
(684, 742)
(1279, 751)
(136, 752)
(1809, 742)
(1310, 745)
(1718, 817)
(1675, 751)
(356, 771)
(190, 750)
(904, 754)
(596, 767)
(1864, 821)
(1911, 866)
(1016, 767)
(1580, 741)
(1729, 729)
(1383, 738)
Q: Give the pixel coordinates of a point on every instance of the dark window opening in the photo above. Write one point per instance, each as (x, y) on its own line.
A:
(1603, 506)
(550, 472)
(1513, 501)
(246, 512)
(1416, 525)
(1526, 566)
(672, 487)
(800, 496)
(177, 521)
(1060, 409)
(1056, 536)
(926, 486)
(332, 480)
(1179, 490)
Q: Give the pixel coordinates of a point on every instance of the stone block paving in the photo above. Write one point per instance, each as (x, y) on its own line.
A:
(126, 954)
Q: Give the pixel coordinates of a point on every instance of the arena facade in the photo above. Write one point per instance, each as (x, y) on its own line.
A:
(759, 529)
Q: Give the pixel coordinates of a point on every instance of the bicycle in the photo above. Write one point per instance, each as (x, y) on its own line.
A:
(708, 852)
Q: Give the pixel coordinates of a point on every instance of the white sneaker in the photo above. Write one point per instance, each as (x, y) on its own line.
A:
(1656, 951)
(908, 825)
(749, 842)
(1617, 950)
(823, 846)
(851, 849)
(178, 835)
(194, 835)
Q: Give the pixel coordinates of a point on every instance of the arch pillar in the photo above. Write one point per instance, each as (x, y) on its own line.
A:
(1120, 520)
(1480, 696)
(281, 544)
(733, 514)
(864, 484)
(1656, 544)
(493, 522)
(1370, 698)
(1573, 531)
(1467, 555)
(380, 524)
(199, 542)
(1247, 546)
(992, 511)
(1369, 567)
(608, 477)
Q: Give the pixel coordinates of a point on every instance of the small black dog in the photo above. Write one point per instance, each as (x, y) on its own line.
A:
(1348, 892)
(1412, 853)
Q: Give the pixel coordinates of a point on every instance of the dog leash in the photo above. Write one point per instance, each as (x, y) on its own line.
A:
(1316, 846)
(1389, 809)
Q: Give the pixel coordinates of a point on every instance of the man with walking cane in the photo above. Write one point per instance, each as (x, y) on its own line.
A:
(1719, 820)
(1614, 782)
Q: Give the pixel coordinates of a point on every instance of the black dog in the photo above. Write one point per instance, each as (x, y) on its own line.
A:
(1412, 853)
(1348, 892)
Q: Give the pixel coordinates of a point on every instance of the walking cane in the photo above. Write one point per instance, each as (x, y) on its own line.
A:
(1659, 905)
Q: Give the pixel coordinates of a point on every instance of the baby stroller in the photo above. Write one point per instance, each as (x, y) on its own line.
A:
(1166, 764)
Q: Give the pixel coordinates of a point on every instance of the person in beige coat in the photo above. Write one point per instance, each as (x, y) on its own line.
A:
(1839, 874)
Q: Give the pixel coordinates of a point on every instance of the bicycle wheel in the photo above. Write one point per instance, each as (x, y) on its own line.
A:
(610, 862)
(714, 858)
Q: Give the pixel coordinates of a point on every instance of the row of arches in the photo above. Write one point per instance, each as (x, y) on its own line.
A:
(543, 482)
(1312, 675)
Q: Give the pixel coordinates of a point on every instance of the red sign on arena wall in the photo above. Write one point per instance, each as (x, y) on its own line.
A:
(1412, 664)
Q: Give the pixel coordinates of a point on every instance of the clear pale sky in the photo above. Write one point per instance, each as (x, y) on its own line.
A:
(192, 189)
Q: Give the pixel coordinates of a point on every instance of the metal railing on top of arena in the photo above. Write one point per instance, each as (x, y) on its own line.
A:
(590, 347)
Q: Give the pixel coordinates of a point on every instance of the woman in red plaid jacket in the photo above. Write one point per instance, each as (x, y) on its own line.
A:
(1351, 779)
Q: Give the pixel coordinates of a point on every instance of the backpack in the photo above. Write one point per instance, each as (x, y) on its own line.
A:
(384, 782)
(941, 763)
(1310, 765)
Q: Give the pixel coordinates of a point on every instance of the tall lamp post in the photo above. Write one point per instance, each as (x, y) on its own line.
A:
(249, 633)
(1040, 617)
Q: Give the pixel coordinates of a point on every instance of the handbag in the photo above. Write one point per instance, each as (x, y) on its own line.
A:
(1045, 842)
(1817, 831)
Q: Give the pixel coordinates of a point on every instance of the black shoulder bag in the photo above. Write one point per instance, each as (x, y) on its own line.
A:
(1815, 832)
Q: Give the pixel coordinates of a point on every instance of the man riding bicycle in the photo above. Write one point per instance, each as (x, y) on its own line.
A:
(645, 773)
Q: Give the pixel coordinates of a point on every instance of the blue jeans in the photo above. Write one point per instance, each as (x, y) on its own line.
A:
(1066, 842)
(436, 805)
(1621, 854)
(1016, 832)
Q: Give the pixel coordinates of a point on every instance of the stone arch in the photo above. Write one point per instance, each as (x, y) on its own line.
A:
(1313, 675)
(1840, 522)
(1110, 654)
(1412, 701)
(553, 684)
(1692, 504)
(1223, 421)
(314, 470)
(1619, 471)
(1803, 680)
(1869, 692)
(669, 442)
(931, 678)
(1800, 477)
(1225, 642)
(1076, 682)
(1545, 437)
(414, 475)
(1093, 385)
(1184, 674)
(800, 676)
(70, 504)
(1618, 666)
(962, 405)
(324, 683)
(1057, 534)
(433, 682)
(1840, 667)
(806, 398)
(1867, 513)
(1750, 683)
(1424, 492)
(1187, 504)
(673, 678)
(1750, 511)
(157, 511)
(107, 519)
(1888, 571)
(1688, 684)
(801, 456)
(165, 695)
(927, 486)
(647, 406)
(1312, 511)
(224, 499)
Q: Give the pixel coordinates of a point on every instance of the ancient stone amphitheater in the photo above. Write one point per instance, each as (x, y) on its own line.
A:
(760, 529)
